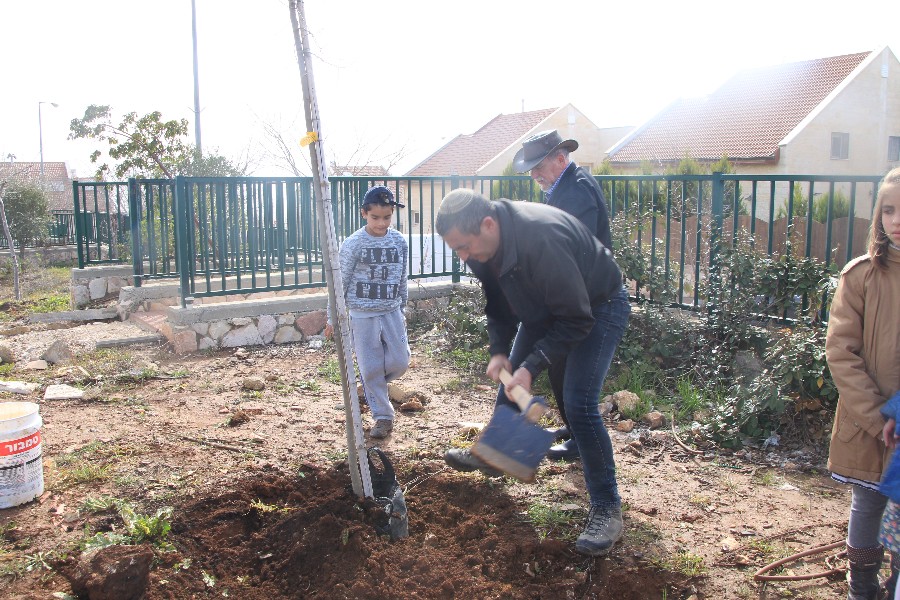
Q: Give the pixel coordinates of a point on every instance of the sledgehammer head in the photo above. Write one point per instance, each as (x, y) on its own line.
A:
(514, 444)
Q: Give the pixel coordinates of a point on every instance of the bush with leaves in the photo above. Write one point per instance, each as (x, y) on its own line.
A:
(745, 291)
(645, 269)
(463, 326)
(27, 210)
(516, 189)
(840, 207)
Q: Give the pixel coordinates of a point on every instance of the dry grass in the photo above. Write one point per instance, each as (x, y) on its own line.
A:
(42, 289)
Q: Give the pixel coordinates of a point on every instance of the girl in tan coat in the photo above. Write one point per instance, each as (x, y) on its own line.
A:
(863, 352)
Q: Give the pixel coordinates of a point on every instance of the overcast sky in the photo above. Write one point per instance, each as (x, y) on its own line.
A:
(392, 74)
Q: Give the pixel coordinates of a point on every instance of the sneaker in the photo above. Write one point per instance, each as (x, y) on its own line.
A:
(381, 429)
(567, 450)
(603, 528)
(464, 460)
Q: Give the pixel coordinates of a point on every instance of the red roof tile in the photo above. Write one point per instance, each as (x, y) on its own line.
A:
(56, 178)
(745, 119)
(465, 154)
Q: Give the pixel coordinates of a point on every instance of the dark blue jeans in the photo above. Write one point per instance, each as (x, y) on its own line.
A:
(585, 370)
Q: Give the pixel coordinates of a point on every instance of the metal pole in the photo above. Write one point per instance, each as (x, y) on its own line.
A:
(196, 80)
(41, 132)
(41, 137)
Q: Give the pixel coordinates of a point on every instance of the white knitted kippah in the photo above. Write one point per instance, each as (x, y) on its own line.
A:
(456, 200)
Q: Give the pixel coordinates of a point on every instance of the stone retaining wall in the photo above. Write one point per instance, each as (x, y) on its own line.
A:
(47, 254)
(99, 282)
(256, 320)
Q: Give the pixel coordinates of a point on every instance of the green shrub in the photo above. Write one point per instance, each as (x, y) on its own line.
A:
(697, 352)
(522, 189)
(465, 323)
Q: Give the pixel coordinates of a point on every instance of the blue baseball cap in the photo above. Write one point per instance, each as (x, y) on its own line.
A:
(380, 195)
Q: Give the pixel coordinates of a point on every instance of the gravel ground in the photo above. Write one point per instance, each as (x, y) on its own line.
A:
(28, 342)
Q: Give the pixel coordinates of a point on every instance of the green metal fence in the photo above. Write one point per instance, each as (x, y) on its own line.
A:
(101, 221)
(152, 227)
(682, 220)
(246, 235)
(60, 231)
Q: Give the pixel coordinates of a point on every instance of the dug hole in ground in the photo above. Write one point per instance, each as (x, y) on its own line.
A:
(224, 474)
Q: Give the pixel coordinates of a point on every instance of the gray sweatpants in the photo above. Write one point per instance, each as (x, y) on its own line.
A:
(382, 355)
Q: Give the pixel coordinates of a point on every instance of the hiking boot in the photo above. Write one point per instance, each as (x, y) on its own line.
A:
(603, 528)
(464, 460)
(381, 429)
(567, 450)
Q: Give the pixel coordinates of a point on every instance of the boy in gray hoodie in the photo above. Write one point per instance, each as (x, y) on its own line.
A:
(374, 274)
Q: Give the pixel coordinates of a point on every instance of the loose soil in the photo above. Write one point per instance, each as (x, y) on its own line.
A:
(262, 504)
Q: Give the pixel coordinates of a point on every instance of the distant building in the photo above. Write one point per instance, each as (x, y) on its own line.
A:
(56, 180)
(490, 150)
(828, 116)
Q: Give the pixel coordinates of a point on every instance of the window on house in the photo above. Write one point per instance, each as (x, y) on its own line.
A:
(840, 146)
(893, 148)
(415, 218)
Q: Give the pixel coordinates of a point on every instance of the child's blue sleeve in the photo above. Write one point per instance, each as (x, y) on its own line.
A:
(890, 482)
(891, 408)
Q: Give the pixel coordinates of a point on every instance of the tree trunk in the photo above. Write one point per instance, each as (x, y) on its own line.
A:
(356, 449)
(9, 241)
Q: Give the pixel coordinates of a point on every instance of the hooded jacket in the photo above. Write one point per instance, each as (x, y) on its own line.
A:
(862, 348)
(549, 273)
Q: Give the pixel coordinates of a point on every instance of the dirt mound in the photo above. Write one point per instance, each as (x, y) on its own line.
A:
(304, 535)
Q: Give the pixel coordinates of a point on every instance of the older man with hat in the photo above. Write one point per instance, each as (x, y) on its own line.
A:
(566, 186)
(573, 189)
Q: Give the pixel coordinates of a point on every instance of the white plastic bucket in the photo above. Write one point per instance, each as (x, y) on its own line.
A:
(21, 465)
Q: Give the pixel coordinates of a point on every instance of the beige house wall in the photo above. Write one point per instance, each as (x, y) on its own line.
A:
(868, 109)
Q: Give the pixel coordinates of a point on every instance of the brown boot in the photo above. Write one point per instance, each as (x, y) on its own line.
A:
(864, 565)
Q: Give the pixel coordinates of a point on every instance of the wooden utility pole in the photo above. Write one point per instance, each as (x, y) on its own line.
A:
(356, 449)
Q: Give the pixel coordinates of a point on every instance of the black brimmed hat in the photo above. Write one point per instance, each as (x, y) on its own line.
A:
(537, 147)
(380, 195)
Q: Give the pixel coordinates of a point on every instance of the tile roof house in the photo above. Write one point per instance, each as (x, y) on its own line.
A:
(55, 178)
(829, 116)
(491, 148)
(467, 153)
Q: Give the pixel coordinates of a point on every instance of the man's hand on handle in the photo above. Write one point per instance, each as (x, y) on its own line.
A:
(520, 377)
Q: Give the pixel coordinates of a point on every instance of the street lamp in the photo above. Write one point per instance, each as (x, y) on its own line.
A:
(41, 132)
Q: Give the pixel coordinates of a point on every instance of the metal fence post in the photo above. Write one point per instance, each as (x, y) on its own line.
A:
(79, 226)
(134, 220)
(183, 254)
(716, 224)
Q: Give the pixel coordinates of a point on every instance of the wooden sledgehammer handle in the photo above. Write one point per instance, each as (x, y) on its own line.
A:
(533, 411)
